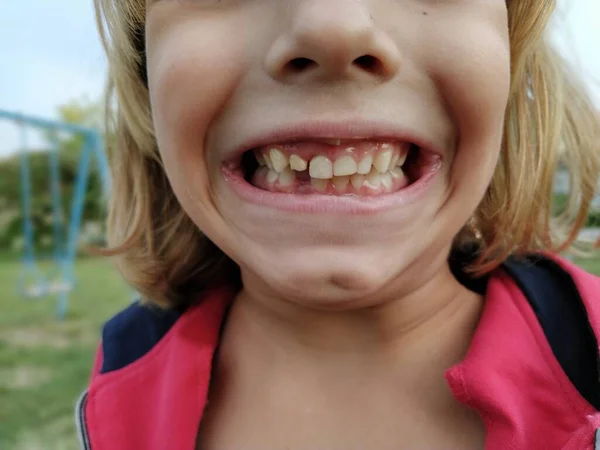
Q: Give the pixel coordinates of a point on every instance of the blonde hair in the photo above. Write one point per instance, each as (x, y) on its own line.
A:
(550, 122)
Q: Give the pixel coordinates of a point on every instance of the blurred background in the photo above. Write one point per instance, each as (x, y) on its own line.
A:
(54, 296)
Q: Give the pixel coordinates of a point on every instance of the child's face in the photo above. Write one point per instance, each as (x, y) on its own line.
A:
(230, 76)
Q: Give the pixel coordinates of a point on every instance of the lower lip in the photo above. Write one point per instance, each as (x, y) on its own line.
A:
(319, 203)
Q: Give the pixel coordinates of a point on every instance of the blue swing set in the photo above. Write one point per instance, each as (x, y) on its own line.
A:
(33, 283)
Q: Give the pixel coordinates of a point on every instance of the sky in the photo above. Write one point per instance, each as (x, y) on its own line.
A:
(50, 53)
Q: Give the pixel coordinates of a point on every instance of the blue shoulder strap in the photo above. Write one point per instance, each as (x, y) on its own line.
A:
(134, 332)
(560, 310)
(550, 291)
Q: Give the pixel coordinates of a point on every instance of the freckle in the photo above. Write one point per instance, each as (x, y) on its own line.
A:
(425, 13)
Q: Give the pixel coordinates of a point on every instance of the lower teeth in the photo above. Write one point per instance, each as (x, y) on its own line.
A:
(289, 181)
(369, 175)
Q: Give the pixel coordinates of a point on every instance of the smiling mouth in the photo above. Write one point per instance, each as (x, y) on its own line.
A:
(336, 167)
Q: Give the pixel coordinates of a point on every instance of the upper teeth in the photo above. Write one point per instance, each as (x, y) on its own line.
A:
(344, 165)
(279, 159)
(382, 161)
(297, 163)
(322, 167)
(364, 166)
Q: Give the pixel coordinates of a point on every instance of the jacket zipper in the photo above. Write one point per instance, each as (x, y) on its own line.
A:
(82, 432)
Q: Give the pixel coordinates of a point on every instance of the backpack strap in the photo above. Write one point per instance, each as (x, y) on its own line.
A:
(556, 301)
(134, 332)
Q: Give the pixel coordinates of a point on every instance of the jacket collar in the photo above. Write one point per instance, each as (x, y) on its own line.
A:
(158, 401)
(510, 370)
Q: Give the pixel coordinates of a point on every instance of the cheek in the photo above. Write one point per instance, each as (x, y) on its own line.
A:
(191, 77)
(472, 73)
(193, 69)
(475, 87)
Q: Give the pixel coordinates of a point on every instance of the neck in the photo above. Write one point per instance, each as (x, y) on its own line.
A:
(434, 317)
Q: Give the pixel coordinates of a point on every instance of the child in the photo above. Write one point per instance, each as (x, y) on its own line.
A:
(339, 216)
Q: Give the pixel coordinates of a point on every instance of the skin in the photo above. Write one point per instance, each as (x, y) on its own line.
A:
(346, 324)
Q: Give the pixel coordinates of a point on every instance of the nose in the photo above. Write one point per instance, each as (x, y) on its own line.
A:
(330, 39)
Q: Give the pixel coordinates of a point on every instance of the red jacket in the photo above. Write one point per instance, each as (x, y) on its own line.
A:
(531, 371)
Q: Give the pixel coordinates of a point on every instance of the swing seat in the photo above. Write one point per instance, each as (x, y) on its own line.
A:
(59, 287)
(35, 290)
(32, 283)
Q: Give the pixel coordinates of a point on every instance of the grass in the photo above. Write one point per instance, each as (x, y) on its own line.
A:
(45, 364)
(592, 265)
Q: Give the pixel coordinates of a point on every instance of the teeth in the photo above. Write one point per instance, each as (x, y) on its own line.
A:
(382, 161)
(397, 173)
(345, 165)
(262, 172)
(260, 158)
(321, 168)
(297, 163)
(279, 159)
(272, 176)
(357, 180)
(319, 185)
(341, 183)
(386, 181)
(380, 171)
(374, 179)
(287, 177)
(402, 157)
(267, 160)
(364, 166)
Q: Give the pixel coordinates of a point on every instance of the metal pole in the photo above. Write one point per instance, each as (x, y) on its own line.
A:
(56, 200)
(76, 215)
(93, 143)
(31, 282)
(103, 167)
(26, 198)
(45, 123)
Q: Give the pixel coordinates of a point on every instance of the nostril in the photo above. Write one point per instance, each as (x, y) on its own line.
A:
(368, 63)
(300, 64)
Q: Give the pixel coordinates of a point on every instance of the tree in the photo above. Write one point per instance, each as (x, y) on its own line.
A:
(80, 112)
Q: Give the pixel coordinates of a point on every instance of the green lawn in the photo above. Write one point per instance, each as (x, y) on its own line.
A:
(45, 364)
(592, 265)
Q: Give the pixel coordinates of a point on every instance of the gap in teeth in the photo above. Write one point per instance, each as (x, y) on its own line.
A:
(347, 163)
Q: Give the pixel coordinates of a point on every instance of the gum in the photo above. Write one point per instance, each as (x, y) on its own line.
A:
(358, 150)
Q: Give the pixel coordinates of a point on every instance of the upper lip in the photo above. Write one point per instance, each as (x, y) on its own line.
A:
(350, 130)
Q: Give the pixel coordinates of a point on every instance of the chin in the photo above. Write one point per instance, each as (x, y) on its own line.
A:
(329, 280)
